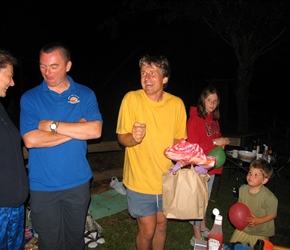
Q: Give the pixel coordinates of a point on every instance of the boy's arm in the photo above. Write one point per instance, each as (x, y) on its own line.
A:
(253, 220)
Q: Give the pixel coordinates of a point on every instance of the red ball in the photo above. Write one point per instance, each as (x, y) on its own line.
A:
(238, 215)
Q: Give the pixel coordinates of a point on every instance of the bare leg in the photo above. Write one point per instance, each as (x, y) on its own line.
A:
(151, 232)
(203, 225)
(160, 232)
(146, 229)
(196, 231)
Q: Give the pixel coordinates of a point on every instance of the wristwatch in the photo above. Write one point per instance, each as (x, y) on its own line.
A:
(53, 126)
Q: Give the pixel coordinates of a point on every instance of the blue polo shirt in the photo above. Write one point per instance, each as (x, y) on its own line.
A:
(64, 166)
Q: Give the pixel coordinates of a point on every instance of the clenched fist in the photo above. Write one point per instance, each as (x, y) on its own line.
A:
(138, 131)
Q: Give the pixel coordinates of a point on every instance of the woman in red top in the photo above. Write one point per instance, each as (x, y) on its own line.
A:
(203, 128)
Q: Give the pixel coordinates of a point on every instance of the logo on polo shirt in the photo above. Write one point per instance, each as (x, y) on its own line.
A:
(73, 99)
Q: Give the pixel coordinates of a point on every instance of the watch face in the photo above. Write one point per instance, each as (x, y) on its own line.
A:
(53, 126)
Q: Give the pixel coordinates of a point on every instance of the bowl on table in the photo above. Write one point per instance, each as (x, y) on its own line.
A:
(246, 156)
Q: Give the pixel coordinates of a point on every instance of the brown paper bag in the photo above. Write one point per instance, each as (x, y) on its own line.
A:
(184, 194)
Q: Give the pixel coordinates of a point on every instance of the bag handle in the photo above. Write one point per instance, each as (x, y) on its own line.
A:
(175, 168)
(196, 168)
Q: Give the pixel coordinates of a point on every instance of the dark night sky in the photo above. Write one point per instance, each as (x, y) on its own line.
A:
(110, 66)
(28, 25)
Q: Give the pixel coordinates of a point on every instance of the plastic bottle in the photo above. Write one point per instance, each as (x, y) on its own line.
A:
(254, 147)
(216, 237)
(235, 193)
(265, 153)
(118, 186)
(235, 189)
(258, 146)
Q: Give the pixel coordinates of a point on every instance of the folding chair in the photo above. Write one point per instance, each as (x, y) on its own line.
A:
(282, 161)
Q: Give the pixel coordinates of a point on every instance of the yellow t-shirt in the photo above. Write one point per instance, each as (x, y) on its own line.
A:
(165, 121)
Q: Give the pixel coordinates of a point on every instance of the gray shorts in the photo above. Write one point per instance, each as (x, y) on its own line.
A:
(142, 205)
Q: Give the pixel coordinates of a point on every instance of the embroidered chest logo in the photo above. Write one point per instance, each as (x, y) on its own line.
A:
(73, 99)
(211, 129)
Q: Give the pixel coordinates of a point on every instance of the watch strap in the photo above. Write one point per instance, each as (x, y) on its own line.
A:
(54, 128)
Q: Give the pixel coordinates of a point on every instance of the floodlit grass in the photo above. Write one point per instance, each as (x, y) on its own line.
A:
(120, 229)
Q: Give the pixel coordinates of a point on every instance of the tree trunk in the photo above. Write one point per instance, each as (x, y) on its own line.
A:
(244, 78)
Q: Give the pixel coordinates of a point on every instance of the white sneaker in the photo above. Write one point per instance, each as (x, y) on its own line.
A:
(192, 240)
(205, 233)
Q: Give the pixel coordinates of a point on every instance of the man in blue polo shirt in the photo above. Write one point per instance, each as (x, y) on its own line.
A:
(56, 119)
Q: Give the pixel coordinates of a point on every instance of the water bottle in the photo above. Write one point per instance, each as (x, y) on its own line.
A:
(235, 189)
(258, 148)
(235, 193)
(118, 186)
(265, 153)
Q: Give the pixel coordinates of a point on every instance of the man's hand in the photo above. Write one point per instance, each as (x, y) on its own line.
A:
(138, 132)
(44, 125)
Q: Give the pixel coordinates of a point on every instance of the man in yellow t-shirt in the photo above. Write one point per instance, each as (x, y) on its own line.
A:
(149, 121)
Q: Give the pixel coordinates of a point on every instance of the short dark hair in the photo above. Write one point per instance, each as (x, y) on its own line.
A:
(62, 48)
(159, 61)
(6, 58)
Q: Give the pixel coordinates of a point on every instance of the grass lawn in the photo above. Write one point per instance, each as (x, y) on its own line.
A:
(119, 230)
